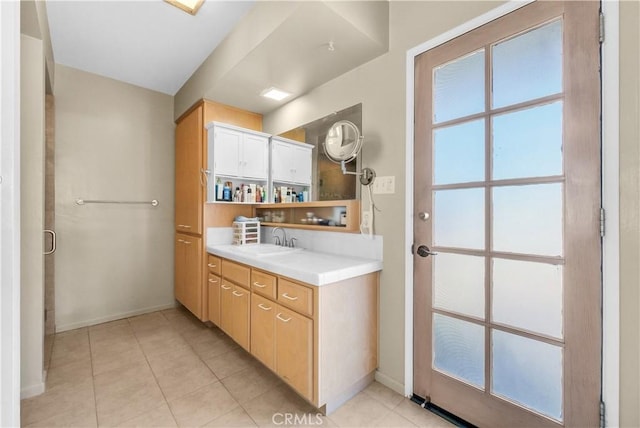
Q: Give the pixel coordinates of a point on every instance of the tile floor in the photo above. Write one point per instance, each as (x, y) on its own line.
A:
(167, 369)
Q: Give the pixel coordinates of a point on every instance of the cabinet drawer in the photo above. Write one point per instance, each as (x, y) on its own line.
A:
(236, 273)
(263, 283)
(296, 297)
(213, 264)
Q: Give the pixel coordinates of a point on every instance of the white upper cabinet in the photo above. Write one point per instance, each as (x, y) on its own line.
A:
(237, 152)
(290, 161)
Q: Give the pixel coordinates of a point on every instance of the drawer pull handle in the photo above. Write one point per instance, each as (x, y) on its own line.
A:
(286, 296)
(211, 265)
(263, 307)
(237, 293)
(181, 240)
(213, 281)
(282, 319)
(225, 287)
(257, 284)
(187, 242)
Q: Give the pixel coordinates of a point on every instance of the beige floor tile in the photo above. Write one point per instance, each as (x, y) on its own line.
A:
(124, 404)
(147, 322)
(116, 359)
(213, 346)
(237, 418)
(160, 341)
(250, 383)
(230, 362)
(78, 416)
(360, 411)
(171, 360)
(267, 408)
(385, 395)
(160, 417)
(117, 332)
(57, 401)
(420, 416)
(69, 375)
(109, 324)
(394, 420)
(119, 379)
(71, 347)
(202, 406)
(184, 379)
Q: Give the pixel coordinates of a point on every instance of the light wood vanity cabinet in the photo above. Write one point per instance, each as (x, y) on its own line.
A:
(187, 273)
(321, 340)
(213, 285)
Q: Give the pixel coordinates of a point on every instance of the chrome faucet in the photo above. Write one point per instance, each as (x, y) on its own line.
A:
(276, 238)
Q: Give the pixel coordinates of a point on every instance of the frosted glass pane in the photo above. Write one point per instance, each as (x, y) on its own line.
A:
(459, 290)
(528, 295)
(458, 349)
(528, 219)
(459, 153)
(528, 143)
(458, 88)
(528, 66)
(458, 219)
(528, 372)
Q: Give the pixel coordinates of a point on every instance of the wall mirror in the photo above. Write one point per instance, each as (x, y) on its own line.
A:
(328, 181)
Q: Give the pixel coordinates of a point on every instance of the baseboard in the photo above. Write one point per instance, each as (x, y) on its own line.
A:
(390, 383)
(72, 326)
(33, 390)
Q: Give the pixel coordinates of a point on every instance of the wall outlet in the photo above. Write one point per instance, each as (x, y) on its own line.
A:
(366, 219)
(385, 184)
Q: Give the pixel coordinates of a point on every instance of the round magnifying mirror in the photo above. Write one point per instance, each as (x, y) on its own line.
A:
(343, 141)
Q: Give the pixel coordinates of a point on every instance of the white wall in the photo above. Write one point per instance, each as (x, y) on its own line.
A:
(10, 214)
(114, 141)
(32, 215)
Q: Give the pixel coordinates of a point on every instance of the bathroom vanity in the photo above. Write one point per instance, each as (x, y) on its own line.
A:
(310, 317)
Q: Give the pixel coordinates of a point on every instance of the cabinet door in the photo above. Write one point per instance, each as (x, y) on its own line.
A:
(281, 161)
(226, 151)
(255, 156)
(241, 307)
(263, 317)
(294, 350)
(226, 306)
(179, 268)
(213, 305)
(193, 275)
(301, 165)
(189, 162)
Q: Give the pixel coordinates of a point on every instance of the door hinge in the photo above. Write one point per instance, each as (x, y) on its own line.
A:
(602, 219)
(602, 415)
(601, 38)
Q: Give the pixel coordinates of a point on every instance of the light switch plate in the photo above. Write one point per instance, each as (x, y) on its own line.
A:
(386, 184)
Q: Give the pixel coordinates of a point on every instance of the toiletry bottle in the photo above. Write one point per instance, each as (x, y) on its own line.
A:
(226, 192)
(249, 195)
(237, 195)
(288, 194)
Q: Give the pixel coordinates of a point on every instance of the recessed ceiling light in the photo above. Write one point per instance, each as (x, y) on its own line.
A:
(189, 6)
(275, 94)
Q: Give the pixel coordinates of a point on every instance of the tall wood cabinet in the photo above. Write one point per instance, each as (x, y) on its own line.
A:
(191, 219)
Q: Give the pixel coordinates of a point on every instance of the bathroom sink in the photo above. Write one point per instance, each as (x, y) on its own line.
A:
(261, 250)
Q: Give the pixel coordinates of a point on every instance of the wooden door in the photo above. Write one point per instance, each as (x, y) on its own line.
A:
(507, 315)
(294, 350)
(192, 295)
(226, 306)
(213, 284)
(241, 309)
(263, 318)
(188, 171)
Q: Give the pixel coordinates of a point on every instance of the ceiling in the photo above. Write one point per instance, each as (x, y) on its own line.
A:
(157, 46)
(146, 43)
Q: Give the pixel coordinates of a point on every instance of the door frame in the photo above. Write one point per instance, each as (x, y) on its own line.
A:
(610, 197)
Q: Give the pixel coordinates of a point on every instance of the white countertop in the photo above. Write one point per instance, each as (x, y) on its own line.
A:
(303, 265)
